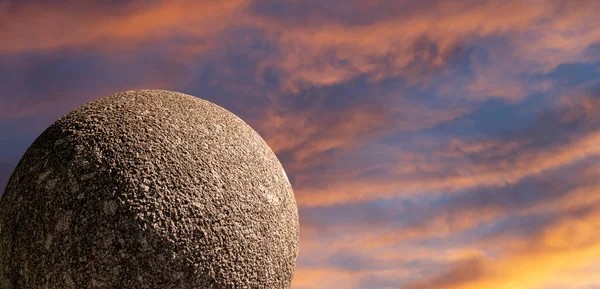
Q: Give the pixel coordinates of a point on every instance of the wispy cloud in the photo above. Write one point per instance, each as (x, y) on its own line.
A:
(92, 25)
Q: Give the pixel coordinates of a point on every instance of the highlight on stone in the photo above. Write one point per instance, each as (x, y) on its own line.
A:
(148, 189)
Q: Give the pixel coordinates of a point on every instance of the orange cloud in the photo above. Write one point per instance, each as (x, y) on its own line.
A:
(463, 165)
(322, 50)
(46, 27)
(308, 135)
(306, 278)
(540, 35)
(572, 243)
(550, 257)
(387, 228)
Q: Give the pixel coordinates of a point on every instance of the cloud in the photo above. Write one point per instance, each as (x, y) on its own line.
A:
(326, 44)
(310, 130)
(441, 244)
(572, 242)
(37, 26)
(378, 223)
(467, 232)
(409, 41)
(560, 137)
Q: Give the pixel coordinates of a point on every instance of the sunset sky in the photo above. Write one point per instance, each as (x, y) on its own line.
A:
(431, 144)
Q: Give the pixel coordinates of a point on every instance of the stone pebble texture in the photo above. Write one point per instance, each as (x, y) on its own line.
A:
(148, 189)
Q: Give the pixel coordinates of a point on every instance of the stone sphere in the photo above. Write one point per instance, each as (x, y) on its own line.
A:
(148, 189)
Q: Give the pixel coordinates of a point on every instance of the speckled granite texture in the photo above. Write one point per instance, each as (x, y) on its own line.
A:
(148, 189)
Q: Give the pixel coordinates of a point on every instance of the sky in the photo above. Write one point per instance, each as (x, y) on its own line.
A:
(431, 144)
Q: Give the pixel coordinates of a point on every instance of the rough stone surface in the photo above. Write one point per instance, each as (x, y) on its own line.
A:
(148, 189)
